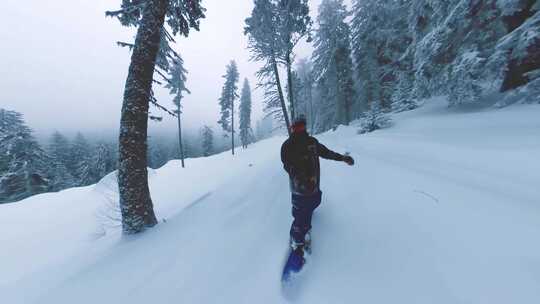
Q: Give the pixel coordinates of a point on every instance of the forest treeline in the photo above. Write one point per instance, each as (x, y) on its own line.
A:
(387, 56)
(29, 165)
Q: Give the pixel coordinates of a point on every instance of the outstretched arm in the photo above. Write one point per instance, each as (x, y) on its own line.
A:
(324, 152)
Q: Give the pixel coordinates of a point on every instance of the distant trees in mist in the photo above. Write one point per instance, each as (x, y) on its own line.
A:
(28, 168)
(30, 165)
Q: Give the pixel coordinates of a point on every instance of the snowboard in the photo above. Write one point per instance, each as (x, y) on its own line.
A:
(293, 271)
(294, 264)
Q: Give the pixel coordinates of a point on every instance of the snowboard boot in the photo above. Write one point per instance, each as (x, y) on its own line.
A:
(297, 248)
(307, 242)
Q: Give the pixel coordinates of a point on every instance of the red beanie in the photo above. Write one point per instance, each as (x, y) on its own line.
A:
(298, 127)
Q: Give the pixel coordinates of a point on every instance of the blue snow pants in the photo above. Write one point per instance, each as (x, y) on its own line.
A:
(302, 212)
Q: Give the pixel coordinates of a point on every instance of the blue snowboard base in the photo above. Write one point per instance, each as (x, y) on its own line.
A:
(291, 278)
(293, 265)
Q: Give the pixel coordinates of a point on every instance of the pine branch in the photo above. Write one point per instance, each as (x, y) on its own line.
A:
(125, 44)
(165, 78)
(153, 101)
(155, 118)
(126, 9)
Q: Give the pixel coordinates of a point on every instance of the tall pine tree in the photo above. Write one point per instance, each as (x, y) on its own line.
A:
(333, 66)
(229, 93)
(177, 86)
(59, 151)
(266, 46)
(294, 23)
(23, 164)
(79, 158)
(207, 140)
(380, 37)
(149, 16)
(245, 115)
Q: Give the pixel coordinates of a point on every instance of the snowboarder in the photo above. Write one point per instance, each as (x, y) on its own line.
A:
(300, 156)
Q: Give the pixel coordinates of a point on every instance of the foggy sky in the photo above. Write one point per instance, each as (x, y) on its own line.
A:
(62, 69)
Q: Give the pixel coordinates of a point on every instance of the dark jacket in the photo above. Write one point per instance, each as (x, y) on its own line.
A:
(300, 156)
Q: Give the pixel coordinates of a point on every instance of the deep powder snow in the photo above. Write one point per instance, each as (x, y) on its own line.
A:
(444, 207)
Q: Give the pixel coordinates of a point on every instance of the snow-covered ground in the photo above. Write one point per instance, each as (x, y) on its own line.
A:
(444, 207)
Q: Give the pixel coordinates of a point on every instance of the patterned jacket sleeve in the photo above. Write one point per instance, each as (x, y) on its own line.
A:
(324, 152)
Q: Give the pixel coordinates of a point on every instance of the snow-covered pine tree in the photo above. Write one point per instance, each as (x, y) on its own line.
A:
(374, 119)
(380, 37)
(150, 17)
(23, 164)
(59, 152)
(112, 156)
(346, 91)
(177, 86)
(403, 98)
(78, 158)
(453, 40)
(294, 23)
(519, 51)
(59, 176)
(207, 136)
(229, 93)
(245, 115)
(456, 48)
(464, 85)
(87, 175)
(333, 64)
(423, 18)
(299, 105)
(59, 147)
(157, 153)
(102, 161)
(265, 45)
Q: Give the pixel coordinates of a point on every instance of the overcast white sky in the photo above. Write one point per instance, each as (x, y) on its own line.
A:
(62, 69)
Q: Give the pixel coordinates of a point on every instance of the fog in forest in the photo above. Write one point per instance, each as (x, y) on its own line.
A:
(64, 72)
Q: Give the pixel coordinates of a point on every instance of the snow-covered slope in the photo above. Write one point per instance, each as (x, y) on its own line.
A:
(441, 208)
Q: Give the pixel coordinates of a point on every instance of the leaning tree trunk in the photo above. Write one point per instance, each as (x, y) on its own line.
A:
(180, 145)
(290, 85)
(281, 98)
(135, 202)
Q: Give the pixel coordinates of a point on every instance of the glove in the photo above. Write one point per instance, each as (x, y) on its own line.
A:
(349, 160)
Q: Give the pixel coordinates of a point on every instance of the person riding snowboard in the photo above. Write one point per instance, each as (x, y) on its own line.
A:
(300, 156)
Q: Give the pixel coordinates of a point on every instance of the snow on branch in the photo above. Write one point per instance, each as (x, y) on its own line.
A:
(125, 44)
(153, 101)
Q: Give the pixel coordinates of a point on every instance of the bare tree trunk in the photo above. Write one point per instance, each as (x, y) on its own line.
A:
(290, 86)
(311, 114)
(180, 145)
(281, 97)
(347, 111)
(135, 202)
(232, 123)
